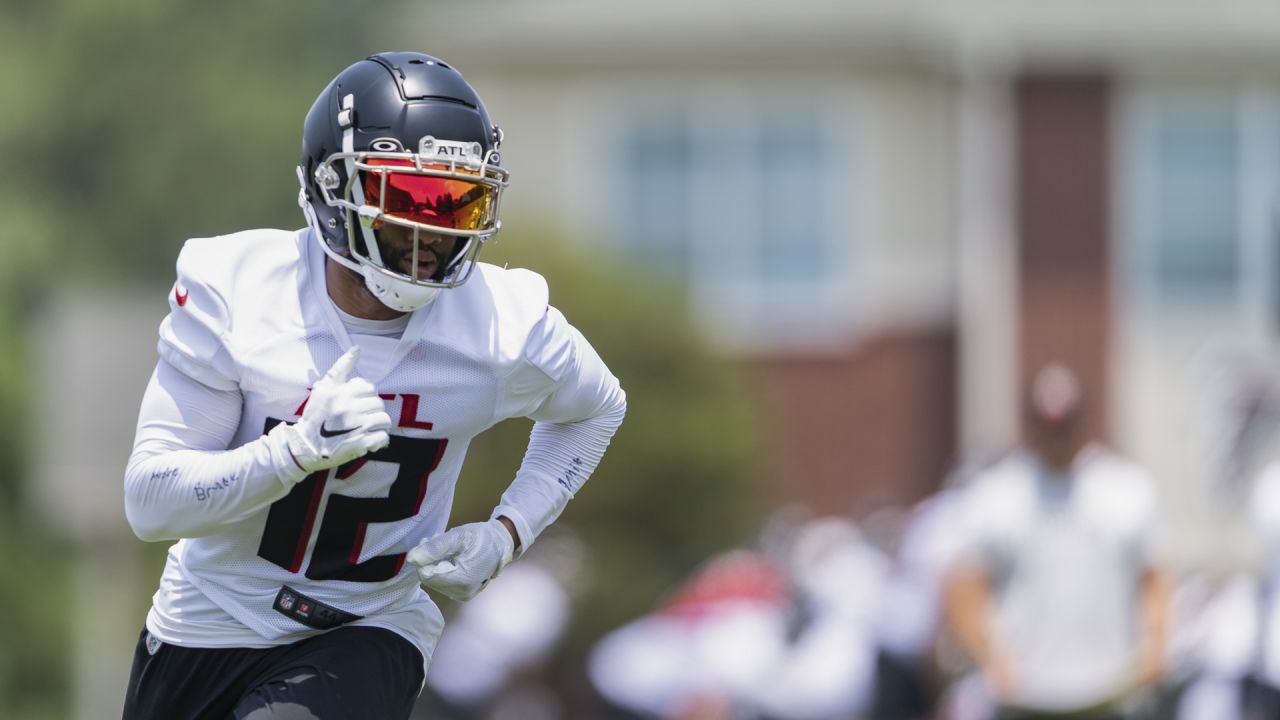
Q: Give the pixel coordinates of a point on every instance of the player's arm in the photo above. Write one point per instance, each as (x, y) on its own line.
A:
(967, 604)
(577, 406)
(983, 541)
(182, 481)
(1154, 601)
(571, 431)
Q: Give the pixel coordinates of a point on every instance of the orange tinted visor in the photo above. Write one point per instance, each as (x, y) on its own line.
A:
(446, 202)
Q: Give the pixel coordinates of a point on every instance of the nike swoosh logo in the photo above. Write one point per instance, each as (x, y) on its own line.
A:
(180, 296)
(324, 432)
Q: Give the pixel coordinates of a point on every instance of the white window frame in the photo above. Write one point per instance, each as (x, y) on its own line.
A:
(1252, 302)
(736, 310)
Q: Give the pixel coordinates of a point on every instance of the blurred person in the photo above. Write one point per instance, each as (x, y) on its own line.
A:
(910, 619)
(825, 669)
(1260, 685)
(780, 635)
(1230, 642)
(1057, 596)
(315, 395)
(1220, 626)
(1241, 404)
(1214, 641)
(489, 655)
(702, 649)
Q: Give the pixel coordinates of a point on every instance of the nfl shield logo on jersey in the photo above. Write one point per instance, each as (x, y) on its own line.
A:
(153, 644)
(286, 601)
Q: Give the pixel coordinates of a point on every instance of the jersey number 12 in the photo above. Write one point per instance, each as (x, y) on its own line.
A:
(336, 555)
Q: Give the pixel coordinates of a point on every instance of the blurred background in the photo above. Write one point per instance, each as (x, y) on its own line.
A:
(825, 246)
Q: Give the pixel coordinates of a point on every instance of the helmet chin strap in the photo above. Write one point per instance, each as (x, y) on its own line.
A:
(396, 294)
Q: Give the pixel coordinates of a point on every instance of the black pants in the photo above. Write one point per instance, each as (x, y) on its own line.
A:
(1260, 699)
(350, 672)
(903, 690)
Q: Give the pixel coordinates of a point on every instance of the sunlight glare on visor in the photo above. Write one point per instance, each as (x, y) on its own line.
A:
(439, 201)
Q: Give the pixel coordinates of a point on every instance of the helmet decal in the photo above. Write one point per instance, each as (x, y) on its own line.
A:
(386, 145)
(429, 147)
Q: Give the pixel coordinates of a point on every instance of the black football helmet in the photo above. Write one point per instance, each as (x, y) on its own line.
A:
(401, 139)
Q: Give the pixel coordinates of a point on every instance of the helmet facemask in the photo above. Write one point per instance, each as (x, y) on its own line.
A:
(446, 188)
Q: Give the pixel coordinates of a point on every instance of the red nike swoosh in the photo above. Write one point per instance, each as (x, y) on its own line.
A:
(180, 296)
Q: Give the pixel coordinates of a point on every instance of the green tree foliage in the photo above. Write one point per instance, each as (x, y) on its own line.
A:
(152, 121)
(36, 602)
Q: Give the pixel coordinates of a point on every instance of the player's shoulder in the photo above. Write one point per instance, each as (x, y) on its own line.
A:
(214, 307)
(1115, 483)
(494, 312)
(512, 298)
(242, 259)
(517, 287)
(238, 250)
(1010, 474)
(1002, 492)
(1098, 458)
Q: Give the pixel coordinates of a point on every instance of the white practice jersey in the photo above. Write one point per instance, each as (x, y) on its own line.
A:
(1067, 554)
(250, 313)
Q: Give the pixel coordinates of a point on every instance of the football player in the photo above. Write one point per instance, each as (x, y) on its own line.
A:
(314, 398)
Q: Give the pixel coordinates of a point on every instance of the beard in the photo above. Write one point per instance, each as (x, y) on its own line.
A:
(399, 256)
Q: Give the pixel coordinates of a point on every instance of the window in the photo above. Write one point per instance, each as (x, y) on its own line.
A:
(796, 171)
(1190, 172)
(1204, 190)
(658, 156)
(742, 207)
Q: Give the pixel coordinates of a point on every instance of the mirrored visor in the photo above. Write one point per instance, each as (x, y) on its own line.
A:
(445, 202)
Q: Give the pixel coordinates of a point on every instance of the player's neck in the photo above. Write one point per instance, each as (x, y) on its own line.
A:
(348, 292)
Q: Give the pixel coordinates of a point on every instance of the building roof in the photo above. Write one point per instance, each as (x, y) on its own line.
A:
(946, 32)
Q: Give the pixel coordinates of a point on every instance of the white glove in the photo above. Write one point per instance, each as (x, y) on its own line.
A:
(344, 419)
(460, 562)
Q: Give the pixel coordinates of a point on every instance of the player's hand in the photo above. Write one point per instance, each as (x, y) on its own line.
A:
(461, 561)
(1001, 679)
(344, 419)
